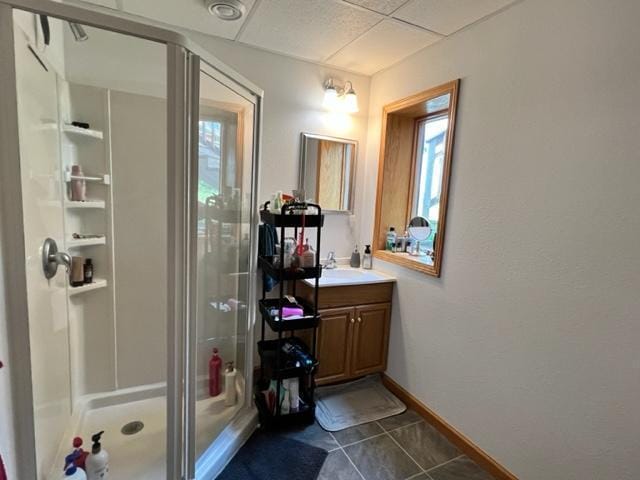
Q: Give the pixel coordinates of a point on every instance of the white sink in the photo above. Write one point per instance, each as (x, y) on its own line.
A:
(350, 276)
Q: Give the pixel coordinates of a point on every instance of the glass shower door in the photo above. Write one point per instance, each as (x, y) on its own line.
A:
(223, 231)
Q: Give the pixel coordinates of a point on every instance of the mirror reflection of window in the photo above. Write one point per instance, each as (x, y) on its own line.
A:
(327, 167)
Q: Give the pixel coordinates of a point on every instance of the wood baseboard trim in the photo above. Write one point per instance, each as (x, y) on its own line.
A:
(457, 438)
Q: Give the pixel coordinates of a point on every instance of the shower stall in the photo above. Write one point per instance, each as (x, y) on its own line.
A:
(128, 184)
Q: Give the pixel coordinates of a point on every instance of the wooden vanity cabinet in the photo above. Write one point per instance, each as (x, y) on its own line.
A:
(353, 335)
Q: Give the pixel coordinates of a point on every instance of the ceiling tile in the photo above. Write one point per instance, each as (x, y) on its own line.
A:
(385, 44)
(311, 29)
(191, 14)
(447, 16)
(381, 6)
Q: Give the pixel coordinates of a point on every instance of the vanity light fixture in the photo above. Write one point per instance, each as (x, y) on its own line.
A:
(340, 99)
(226, 9)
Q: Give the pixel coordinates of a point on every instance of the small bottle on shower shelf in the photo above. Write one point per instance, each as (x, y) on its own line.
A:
(78, 185)
(88, 271)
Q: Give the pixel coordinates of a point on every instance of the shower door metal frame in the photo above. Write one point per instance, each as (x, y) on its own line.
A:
(183, 60)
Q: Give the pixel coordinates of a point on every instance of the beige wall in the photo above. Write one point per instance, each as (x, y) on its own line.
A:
(529, 342)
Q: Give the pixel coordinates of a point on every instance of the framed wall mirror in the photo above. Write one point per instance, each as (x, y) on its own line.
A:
(327, 170)
(413, 178)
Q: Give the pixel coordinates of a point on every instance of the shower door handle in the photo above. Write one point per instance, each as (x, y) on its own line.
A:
(52, 258)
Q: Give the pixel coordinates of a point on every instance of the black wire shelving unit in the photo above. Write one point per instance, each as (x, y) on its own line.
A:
(275, 363)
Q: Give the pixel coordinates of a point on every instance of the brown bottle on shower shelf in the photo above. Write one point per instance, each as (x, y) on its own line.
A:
(77, 271)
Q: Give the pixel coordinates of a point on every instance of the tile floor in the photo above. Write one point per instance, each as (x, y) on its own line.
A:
(395, 448)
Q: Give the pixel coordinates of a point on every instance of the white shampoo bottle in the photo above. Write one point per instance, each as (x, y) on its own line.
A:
(230, 385)
(97, 463)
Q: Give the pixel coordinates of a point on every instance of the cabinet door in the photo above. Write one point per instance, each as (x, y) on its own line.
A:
(334, 344)
(370, 339)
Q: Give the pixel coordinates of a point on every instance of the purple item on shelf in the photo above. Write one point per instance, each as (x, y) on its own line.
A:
(292, 312)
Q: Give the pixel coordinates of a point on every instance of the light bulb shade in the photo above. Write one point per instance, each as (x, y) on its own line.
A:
(330, 98)
(351, 102)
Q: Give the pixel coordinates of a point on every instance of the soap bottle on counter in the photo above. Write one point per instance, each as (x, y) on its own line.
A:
(355, 258)
(367, 260)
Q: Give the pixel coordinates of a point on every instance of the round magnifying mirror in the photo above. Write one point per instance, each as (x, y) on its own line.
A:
(419, 230)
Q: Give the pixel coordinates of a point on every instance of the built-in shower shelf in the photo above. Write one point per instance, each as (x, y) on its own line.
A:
(87, 204)
(89, 287)
(86, 242)
(103, 179)
(83, 132)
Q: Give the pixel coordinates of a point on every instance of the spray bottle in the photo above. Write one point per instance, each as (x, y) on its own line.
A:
(71, 471)
(97, 464)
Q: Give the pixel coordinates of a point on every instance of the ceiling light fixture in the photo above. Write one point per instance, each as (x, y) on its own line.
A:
(340, 99)
(226, 9)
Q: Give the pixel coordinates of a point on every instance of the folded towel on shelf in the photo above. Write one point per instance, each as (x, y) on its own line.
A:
(267, 241)
(288, 312)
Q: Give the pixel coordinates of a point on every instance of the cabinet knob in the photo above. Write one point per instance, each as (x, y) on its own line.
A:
(359, 319)
(352, 320)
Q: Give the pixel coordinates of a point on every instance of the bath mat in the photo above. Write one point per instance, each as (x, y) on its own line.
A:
(268, 456)
(365, 400)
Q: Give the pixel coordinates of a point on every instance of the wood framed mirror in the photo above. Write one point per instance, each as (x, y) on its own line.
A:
(413, 176)
(327, 171)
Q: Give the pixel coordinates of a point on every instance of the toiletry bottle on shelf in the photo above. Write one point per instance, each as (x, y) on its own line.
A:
(367, 260)
(285, 406)
(77, 271)
(88, 271)
(230, 385)
(392, 237)
(308, 257)
(294, 394)
(78, 185)
(98, 462)
(215, 366)
(355, 258)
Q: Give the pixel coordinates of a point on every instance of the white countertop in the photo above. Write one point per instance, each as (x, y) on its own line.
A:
(343, 276)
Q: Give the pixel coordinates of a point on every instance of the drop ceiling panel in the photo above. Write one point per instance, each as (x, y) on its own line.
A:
(381, 6)
(447, 16)
(385, 44)
(310, 29)
(191, 14)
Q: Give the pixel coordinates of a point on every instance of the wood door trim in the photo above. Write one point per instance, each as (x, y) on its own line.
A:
(456, 437)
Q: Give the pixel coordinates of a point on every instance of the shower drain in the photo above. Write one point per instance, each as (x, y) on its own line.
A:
(132, 428)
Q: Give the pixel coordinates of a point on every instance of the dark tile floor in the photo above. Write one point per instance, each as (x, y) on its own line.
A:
(396, 448)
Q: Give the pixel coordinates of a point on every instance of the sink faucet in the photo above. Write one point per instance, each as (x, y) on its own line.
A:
(331, 260)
